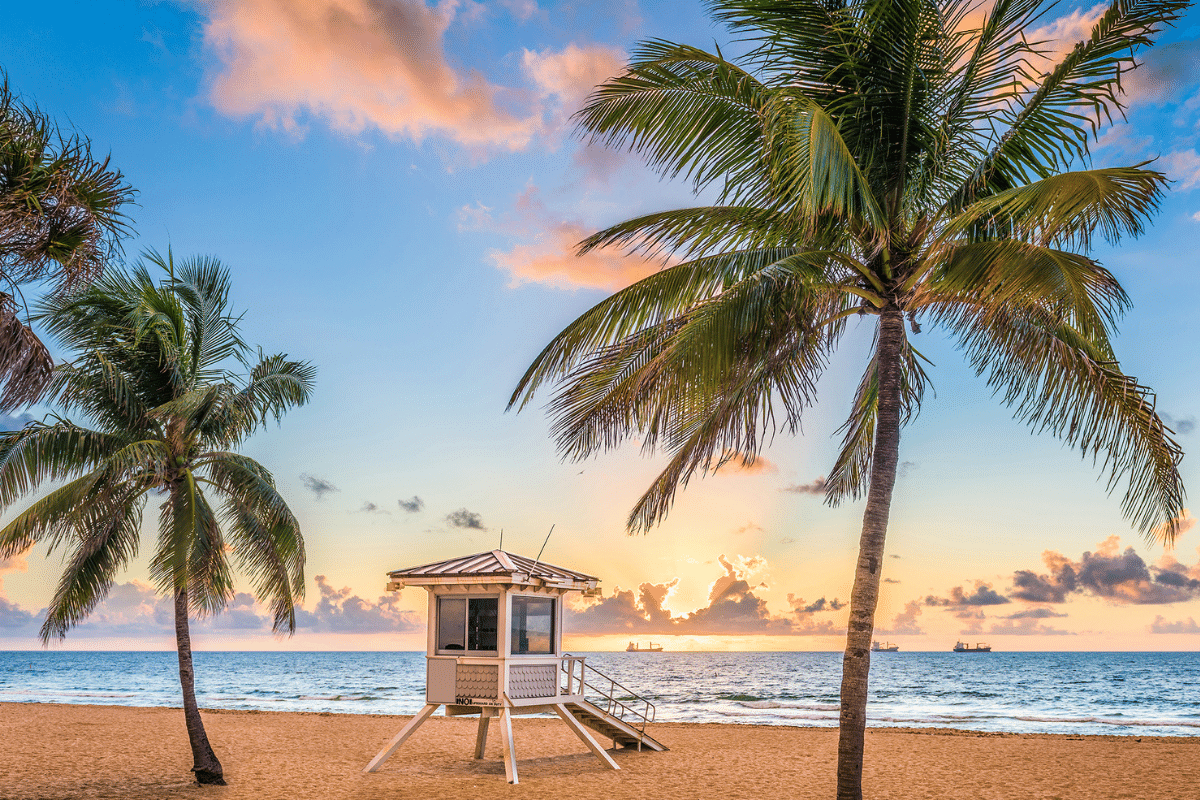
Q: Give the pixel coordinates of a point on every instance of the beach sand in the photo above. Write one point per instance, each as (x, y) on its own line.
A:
(50, 752)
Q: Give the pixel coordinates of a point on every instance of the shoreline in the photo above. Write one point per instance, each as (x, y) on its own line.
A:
(932, 730)
(57, 751)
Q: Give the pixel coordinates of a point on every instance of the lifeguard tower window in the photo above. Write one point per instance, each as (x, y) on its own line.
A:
(532, 625)
(467, 623)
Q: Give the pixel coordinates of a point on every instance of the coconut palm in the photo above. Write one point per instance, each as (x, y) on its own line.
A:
(899, 163)
(161, 411)
(61, 219)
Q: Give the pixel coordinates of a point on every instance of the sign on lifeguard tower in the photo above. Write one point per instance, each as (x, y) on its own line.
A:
(495, 649)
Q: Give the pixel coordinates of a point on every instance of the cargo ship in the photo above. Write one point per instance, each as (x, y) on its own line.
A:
(963, 647)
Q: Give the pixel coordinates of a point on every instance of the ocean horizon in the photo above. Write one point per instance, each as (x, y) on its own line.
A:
(1133, 693)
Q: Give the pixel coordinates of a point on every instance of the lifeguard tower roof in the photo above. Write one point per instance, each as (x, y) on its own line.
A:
(494, 566)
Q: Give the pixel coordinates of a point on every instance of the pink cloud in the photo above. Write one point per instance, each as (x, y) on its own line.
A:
(548, 254)
(382, 64)
(1183, 166)
(356, 64)
(571, 74)
(737, 464)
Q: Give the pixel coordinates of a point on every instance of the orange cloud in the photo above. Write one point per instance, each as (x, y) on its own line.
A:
(736, 464)
(549, 254)
(382, 64)
(570, 75)
(356, 63)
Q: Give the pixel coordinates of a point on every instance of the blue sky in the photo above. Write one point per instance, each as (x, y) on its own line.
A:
(396, 190)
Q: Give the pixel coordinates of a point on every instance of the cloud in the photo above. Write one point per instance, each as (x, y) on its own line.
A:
(12, 617)
(548, 253)
(1026, 627)
(465, 519)
(1167, 73)
(413, 505)
(571, 74)
(357, 64)
(1184, 522)
(905, 622)
(890, 580)
(984, 595)
(817, 487)
(370, 508)
(135, 609)
(342, 611)
(1160, 625)
(1182, 425)
(733, 608)
(1120, 577)
(819, 605)
(1196, 216)
(318, 486)
(907, 468)
(14, 422)
(1183, 167)
(521, 9)
(750, 527)
(1035, 613)
(731, 462)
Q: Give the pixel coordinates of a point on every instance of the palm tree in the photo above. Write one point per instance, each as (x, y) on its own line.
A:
(153, 378)
(61, 220)
(886, 160)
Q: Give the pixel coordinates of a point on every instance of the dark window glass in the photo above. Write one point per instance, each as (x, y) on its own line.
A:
(481, 623)
(452, 623)
(532, 625)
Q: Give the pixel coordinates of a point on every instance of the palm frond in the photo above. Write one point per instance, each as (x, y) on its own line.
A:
(107, 527)
(1066, 210)
(851, 471)
(1060, 109)
(1060, 380)
(264, 534)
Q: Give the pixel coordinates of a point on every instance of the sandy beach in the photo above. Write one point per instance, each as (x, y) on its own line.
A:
(50, 752)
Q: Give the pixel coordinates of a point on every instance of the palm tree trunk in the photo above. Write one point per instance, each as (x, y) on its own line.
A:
(207, 767)
(856, 664)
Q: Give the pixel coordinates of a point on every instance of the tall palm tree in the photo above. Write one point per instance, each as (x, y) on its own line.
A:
(61, 220)
(888, 160)
(162, 412)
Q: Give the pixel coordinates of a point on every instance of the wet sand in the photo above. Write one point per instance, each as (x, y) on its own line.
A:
(55, 752)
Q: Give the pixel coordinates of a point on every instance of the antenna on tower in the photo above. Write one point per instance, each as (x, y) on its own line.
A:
(539, 555)
(501, 539)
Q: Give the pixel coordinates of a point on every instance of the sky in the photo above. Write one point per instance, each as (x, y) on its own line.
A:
(397, 189)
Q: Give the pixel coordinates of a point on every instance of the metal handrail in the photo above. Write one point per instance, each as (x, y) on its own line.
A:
(614, 707)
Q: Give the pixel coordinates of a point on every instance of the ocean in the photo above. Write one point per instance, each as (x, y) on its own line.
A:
(1135, 694)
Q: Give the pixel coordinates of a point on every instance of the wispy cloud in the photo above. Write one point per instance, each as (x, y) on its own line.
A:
(318, 486)
(546, 252)
(731, 462)
(982, 595)
(816, 487)
(412, 505)
(462, 518)
(1183, 425)
(1160, 625)
(905, 623)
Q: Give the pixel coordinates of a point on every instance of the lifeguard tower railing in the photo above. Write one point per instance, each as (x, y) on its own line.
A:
(617, 700)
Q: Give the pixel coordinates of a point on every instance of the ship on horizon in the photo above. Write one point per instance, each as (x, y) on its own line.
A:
(963, 647)
(634, 647)
(884, 647)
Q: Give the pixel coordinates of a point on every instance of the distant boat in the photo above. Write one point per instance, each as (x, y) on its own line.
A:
(884, 647)
(634, 647)
(962, 647)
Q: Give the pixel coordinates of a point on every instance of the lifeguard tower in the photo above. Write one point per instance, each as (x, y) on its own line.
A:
(495, 649)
